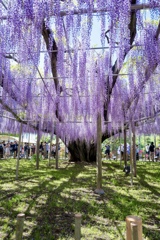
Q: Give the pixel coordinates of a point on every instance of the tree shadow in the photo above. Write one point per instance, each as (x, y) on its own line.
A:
(151, 234)
(56, 198)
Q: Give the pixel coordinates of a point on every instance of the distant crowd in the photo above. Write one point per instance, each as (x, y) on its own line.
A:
(10, 150)
(151, 152)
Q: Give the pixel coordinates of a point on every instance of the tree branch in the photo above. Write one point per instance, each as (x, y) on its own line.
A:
(51, 46)
(157, 32)
(115, 69)
(11, 57)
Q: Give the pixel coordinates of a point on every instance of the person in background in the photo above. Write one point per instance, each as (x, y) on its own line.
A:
(4, 148)
(11, 148)
(53, 150)
(122, 151)
(7, 150)
(33, 149)
(1, 150)
(15, 149)
(157, 154)
(45, 150)
(151, 150)
(107, 151)
(41, 148)
(29, 150)
(137, 152)
(48, 149)
(147, 152)
(22, 152)
(128, 151)
(26, 150)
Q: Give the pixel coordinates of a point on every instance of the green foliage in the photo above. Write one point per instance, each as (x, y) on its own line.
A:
(34, 157)
(45, 138)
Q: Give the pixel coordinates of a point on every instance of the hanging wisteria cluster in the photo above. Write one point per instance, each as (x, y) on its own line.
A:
(37, 35)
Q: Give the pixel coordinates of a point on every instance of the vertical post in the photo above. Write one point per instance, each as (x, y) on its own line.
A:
(78, 218)
(65, 149)
(20, 134)
(131, 155)
(134, 231)
(37, 148)
(57, 145)
(144, 148)
(22, 140)
(99, 189)
(19, 226)
(120, 148)
(29, 149)
(49, 158)
(139, 145)
(111, 147)
(134, 152)
(130, 220)
(125, 146)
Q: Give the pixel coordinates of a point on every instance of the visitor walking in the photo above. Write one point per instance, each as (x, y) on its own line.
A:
(7, 150)
(107, 151)
(137, 152)
(41, 149)
(15, 149)
(147, 152)
(151, 150)
(1, 150)
(33, 149)
(157, 154)
(26, 150)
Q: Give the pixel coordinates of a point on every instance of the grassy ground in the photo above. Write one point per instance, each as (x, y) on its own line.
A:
(50, 198)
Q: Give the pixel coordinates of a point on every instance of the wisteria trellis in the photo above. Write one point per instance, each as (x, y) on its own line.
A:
(49, 73)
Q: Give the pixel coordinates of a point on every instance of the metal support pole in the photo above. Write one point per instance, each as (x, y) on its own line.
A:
(57, 145)
(99, 189)
(18, 157)
(37, 148)
(125, 147)
(131, 156)
(29, 149)
(49, 158)
(65, 149)
(120, 148)
(134, 153)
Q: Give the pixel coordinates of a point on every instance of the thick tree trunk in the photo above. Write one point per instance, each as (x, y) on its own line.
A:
(81, 151)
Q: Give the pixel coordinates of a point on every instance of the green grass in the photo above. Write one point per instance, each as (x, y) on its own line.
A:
(50, 198)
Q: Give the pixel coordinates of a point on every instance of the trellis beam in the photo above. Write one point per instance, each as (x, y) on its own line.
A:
(135, 7)
(72, 50)
(103, 10)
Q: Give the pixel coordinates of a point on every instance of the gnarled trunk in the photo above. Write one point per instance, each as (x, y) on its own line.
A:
(81, 151)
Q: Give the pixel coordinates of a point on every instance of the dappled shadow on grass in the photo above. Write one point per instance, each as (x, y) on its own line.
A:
(154, 190)
(32, 184)
(151, 173)
(59, 211)
(51, 197)
(75, 195)
(151, 234)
